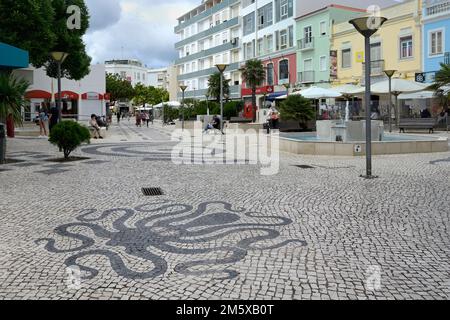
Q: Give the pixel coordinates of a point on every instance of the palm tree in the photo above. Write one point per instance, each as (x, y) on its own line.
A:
(254, 75)
(441, 85)
(298, 108)
(12, 93)
(214, 86)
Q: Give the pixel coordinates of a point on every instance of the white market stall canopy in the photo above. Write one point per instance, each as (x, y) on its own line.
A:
(398, 86)
(172, 104)
(315, 93)
(349, 89)
(417, 95)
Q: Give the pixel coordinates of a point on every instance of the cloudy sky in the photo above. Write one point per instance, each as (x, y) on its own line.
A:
(144, 28)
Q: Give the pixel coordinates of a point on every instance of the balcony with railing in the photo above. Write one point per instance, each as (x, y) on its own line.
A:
(306, 77)
(306, 44)
(377, 68)
(433, 8)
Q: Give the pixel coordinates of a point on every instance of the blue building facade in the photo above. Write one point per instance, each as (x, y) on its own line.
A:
(436, 36)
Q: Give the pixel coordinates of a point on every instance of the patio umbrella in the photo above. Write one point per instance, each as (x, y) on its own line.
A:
(349, 89)
(320, 93)
(422, 95)
(399, 86)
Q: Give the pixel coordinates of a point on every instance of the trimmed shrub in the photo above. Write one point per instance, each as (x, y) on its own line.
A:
(69, 135)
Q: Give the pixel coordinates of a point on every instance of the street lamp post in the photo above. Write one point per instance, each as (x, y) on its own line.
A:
(221, 68)
(183, 89)
(367, 27)
(207, 104)
(390, 74)
(59, 58)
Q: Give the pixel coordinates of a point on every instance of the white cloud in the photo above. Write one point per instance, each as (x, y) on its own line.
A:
(144, 28)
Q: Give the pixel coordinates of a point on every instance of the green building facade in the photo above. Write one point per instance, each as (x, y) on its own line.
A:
(315, 60)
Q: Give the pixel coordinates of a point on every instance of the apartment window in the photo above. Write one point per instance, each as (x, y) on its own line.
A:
(346, 58)
(265, 16)
(283, 39)
(375, 51)
(270, 74)
(246, 3)
(248, 50)
(217, 40)
(283, 9)
(323, 28)
(249, 24)
(406, 47)
(284, 70)
(323, 63)
(436, 42)
(269, 46)
(224, 37)
(307, 33)
(260, 48)
(123, 74)
(291, 36)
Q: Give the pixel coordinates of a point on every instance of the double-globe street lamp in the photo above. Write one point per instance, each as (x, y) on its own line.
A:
(183, 89)
(390, 74)
(59, 58)
(367, 27)
(221, 68)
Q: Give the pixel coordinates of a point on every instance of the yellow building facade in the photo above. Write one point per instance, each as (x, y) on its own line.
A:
(397, 45)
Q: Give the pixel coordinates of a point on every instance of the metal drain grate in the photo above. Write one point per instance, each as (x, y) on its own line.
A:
(152, 192)
(304, 166)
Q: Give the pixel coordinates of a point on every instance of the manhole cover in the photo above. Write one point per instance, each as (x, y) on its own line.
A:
(152, 192)
(304, 166)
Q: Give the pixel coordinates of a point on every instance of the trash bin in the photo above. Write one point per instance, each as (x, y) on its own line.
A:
(2, 143)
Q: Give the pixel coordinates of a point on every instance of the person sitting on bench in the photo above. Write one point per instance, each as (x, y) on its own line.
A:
(95, 126)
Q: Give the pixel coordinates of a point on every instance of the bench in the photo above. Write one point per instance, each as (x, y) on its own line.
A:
(423, 123)
(102, 131)
(240, 120)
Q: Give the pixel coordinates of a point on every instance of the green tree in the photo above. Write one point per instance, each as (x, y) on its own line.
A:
(28, 24)
(298, 108)
(142, 94)
(214, 86)
(441, 85)
(120, 89)
(40, 27)
(69, 135)
(12, 92)
(231, 109)
(254, 75)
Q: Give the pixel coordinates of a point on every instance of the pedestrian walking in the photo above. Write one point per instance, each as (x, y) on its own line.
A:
(119, 116)
(146, 118)
(53, 118)
(138, 120)
(43, 123)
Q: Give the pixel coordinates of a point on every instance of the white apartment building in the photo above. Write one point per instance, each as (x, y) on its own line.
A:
(131, 70)
(210, 34)
(158, 78)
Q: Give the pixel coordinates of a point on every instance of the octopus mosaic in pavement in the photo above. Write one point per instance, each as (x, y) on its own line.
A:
(204, 240)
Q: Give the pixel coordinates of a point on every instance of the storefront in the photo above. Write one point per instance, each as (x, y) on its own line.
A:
(261, 95)
(70, 104)
(93, 103)
(80, 99)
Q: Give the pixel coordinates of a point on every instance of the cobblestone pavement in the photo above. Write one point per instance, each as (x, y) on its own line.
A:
(84, 230)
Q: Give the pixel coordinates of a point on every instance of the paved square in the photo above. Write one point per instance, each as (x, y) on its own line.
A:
(221, 231)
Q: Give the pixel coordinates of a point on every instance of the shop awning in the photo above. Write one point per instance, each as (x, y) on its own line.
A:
(68, 95)
(38, 94)
(12, 57)
(92, 96)
(273, 96)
